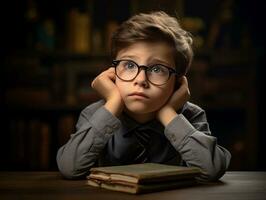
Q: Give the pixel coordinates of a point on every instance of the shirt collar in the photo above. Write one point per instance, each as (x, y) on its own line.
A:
(129, 124)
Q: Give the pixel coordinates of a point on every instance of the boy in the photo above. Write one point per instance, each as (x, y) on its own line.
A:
(145, 115)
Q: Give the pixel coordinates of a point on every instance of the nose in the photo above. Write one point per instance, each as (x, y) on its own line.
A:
(141, 79)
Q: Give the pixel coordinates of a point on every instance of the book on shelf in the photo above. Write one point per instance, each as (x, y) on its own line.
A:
(142, 178)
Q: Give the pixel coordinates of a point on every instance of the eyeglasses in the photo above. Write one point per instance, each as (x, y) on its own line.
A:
(128, 70)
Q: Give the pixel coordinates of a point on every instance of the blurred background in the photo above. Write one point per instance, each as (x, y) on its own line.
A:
(51, 50)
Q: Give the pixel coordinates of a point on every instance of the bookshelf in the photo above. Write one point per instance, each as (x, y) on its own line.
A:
(224, 84)
(44, 95)
(47, 74)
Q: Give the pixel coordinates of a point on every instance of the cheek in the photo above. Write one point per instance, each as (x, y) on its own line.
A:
(164, 96)
(166, 92)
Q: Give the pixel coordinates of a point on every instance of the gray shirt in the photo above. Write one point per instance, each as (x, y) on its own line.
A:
(102, 139)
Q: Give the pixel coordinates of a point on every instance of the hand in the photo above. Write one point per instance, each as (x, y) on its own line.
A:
(180, 96)
(104, 84)
(176, 101)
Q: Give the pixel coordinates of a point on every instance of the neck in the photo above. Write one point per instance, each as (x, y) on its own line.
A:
(142, 117)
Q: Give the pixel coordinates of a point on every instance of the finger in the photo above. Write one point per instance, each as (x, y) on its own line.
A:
(109, 73)
(183, 89)
(111, 69)
(93, 83)
(182, 80)
(106, 75)
(185, 86)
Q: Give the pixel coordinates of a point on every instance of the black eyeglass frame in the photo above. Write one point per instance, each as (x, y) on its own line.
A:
(115, 63)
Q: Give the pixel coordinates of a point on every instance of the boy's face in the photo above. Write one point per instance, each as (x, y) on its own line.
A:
(139, 95)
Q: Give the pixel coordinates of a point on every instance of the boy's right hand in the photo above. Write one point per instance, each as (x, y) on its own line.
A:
(104, 84)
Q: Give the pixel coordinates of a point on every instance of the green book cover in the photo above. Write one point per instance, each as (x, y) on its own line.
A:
(142, 178)
(143, 173)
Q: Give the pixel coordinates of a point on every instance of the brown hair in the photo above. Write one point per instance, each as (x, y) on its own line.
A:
(152, 27)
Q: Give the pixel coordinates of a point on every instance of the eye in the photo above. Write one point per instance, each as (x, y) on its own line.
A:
(158, 69)
(127, 64)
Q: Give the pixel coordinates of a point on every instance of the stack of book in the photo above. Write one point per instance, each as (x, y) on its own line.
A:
(142, 178)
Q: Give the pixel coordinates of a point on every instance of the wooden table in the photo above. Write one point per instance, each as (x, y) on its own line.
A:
(50, 185)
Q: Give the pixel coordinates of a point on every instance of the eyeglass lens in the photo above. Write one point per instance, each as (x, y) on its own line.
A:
(156, 74)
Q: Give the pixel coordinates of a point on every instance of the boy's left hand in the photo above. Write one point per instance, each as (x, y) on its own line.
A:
(167, 112)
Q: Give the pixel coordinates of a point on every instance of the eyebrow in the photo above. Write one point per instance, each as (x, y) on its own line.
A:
(153, 60)
(128, 57)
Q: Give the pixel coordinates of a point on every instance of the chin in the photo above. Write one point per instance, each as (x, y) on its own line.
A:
(140, 108)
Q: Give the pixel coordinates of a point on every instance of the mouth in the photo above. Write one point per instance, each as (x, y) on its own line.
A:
(138, 95)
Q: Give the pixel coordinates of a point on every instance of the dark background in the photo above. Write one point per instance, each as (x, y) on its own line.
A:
(46, 71)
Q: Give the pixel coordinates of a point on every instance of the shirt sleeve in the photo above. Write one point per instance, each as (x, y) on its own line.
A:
(79, 154)
(192, 139)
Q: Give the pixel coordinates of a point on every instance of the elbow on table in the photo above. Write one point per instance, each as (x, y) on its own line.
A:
(68, 174)
(215, 169)
(214, 172)
(68, 170)
(211, 175)
(71, 173)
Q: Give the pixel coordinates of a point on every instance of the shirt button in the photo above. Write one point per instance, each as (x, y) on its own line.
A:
(173, 138)
(116, 126)
(108, 130)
